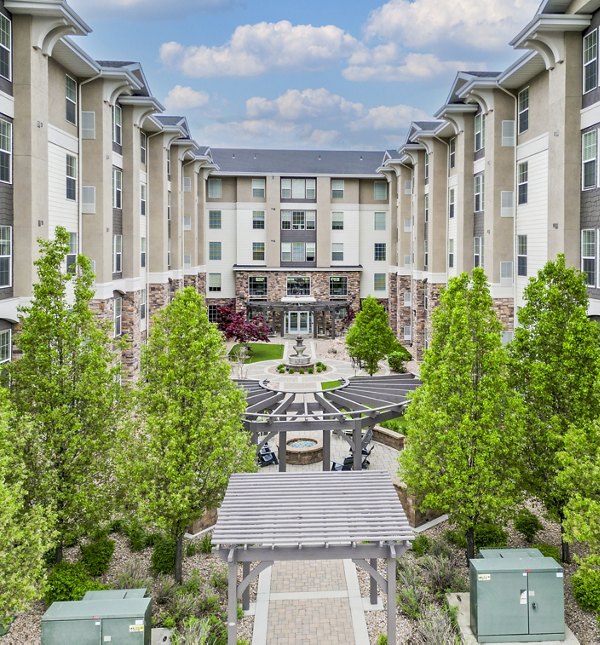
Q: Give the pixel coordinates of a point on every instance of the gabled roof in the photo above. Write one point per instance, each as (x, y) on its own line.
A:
(133, 68)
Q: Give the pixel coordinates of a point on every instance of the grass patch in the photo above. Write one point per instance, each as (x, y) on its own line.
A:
(260, 352)
(397, 425)
(329, 385)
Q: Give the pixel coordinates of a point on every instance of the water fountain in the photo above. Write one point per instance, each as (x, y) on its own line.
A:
(298, 359)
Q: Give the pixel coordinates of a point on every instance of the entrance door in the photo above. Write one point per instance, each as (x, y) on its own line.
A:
(298, 322)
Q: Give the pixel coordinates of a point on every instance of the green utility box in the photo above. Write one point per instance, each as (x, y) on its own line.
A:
(517, 595)
(118, 616)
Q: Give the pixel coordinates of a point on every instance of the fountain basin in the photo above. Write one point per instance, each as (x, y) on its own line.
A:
(301, 451)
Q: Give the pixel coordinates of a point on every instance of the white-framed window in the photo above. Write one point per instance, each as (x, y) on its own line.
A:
(73, 250)
(71, 100)
(5, 47)
(143, 199)
(143, 251)
(258, 220)
(451, 202)
(5, 256)
(379, 251)
(477, 252)
(452, 153)
(379, 283)
(88, 124)
(379, 221)
(71, 177)
(407, 260)
(479, 132)
(407, 299)
(478, 193)
(589, 155)
(380, 191)
(143, 147)
(214, 282)
(298, 286)
(257, 286)
(118, 316)
(337, 252)
(407, 332)
(168, 165)
(258, 187)
(117, 253)
(5, 151)
(408, 187)
(143, 304)
(88, 199)
(215, 188)
(187, 184)
(590, 61)
(425, 254)
(213, 314)
(426, 167)
(292, 188)
(522, 255)
(426, 208)
(117, 188)
(589, 254)
(407, 224)
(258, 251)
(337, 189)
(506, 273)
(450, 253)
(5, 345)
(507, 203)
(117, 124)
(214, 219)
(522, 182)
(523, 110)
(338, 286)
(298, 251)
(508, 133)
(214, 251)
(298, 220)
(337, 221)
(187, 222)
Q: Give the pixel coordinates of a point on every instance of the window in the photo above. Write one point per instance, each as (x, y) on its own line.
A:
(589, 152)
(117, 253)
(143, 304)
(478, 191)
(5, 47)
(508, 134)
(258, 251)
(337, 221)
(143, 250)
(88, 199)
(425, 254)
(337, 188)
(298, 188)
(71, 172)
(117, 188)
(451, 254)
(143, 199)
(257, 286)
(477, 252)
(298, 286)
(187, 222)
(117, 124)
(214, 250)
(379, 251)
(507, 200)
(426, 166)
(169, 200)
(451, 202)
(588, 256)
(379, 281)
(522, 182)
(522, 255)
(88, 125)
(5, 342)
(5, 151)
(213, 313)
(168, 165)
(215, 188)
(479, 132)
(337, 252)
(5, 256)
(380, 190)
(407, 224)
(214, 282)
(258, 219)
(71, 100)
(426, 208)
(72, 254)
(187, 261)
(407, 332)
(379, 223)
(298, 251)
(118, 315)
(523, 110)
(338, 286)
(143, 147)
(187, 184)
(452, 153)
(590, 61)
(298, 220)
(214, 219)
(407, 299)
(258, 187)
(506, 273)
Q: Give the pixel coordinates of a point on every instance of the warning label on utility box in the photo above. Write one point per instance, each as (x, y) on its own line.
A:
(136, 628)
(484, 577)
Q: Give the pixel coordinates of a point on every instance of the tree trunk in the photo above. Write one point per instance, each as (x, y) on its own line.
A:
(470, 535)
(565, 551)
(58, 554)
(179, 560)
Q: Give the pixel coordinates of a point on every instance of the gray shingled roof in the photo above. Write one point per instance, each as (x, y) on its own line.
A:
(297, 162)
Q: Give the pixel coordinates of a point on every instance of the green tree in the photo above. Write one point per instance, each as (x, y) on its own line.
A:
(26, 531)
(188, 437)
(465, 422)
(555, 366)
(67, 383)
(370, 338)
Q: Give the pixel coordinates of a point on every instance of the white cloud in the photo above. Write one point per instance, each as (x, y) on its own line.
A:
(256, 49)
(484, 24)
(147, 8)
(183, 97)
(389, 118)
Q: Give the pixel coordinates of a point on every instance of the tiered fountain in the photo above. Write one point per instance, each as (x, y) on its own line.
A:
(298, 359)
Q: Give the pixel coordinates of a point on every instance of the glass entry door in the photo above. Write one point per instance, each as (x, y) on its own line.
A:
(298, 322)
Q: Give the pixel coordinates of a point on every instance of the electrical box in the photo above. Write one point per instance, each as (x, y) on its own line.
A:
(516, 596)
(118, 616)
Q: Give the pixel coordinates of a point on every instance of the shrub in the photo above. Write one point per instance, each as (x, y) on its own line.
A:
(164, 589)
(434, 627)
(133, 576)
(210, 603)
(586, 587)
(139, 538)
(219, 580)
(441, 575)
(96, 556)
(194, 631)
(396, 362)
(183, 605)
(486, 535)
(206, 543)
(68, 581)
(192, 549)
(382, 639)
(412, 593)
(163, 555)
(193, 584)
(281, 368)
(301, 370)
(439, 547)
(420, 545)
(527, 524)
(547, 550)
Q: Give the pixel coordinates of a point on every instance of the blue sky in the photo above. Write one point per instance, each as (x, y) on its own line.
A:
(304, 74)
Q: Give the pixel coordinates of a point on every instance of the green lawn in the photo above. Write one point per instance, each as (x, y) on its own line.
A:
(261, 352)
(397, 425)
(329, 385)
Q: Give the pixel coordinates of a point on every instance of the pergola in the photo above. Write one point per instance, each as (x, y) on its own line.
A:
(266, 518)
(355, 406)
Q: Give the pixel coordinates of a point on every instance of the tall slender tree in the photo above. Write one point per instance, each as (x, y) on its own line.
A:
(67, 382)
(188, 437)
(556, 367)
(465, 422)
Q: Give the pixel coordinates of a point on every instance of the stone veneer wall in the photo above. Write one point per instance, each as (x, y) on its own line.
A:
(392, 305)
(422, 316)
(133, 333)
(158, 297)
(505, 310)
(403, 284)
